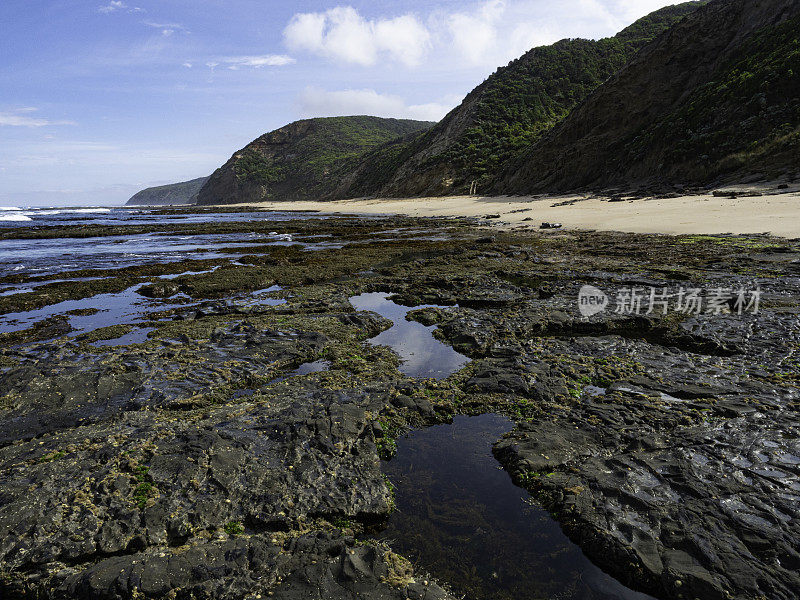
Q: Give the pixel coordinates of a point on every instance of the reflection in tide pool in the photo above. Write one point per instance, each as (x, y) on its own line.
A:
(137, 336)
(461, 518)
(318, 366)
(102, 310)
(422, 354)
(127, 307)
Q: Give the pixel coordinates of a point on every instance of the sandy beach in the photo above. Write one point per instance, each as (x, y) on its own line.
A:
(776, 214)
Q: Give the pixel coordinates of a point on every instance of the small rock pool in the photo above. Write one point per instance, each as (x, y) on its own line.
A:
(422, 354)
(460, 518)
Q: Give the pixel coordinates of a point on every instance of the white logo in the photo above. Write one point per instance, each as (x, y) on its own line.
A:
(591, 301)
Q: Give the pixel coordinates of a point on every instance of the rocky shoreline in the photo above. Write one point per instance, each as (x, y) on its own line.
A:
(198, 463)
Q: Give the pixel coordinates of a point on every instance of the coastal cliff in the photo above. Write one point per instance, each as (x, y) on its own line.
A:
(297, 162)
(715, 97)
(165, 195)
(501, 118)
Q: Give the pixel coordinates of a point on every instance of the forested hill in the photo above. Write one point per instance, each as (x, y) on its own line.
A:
(505, 115)
(297, 162)
(715, 98)
(164, 195)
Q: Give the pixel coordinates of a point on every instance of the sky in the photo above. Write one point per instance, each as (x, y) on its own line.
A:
(99, 99)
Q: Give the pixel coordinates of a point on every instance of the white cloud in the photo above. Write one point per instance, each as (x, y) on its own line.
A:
(526, 36)
(483, 34)
(404, 37)
(167, 29)
(475, 34)
(116, 5)
(112, 6)
(306, 31)
(497, 31)
(18, 118)
(342, 34)
(13, 120)
(234, 63)
(624, 12)
(267, 60)
(316, 102)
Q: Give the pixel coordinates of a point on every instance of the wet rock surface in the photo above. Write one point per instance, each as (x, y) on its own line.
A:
(204, 462)
(670, 452)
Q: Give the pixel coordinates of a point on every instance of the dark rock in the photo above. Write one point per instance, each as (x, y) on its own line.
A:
(160, 289)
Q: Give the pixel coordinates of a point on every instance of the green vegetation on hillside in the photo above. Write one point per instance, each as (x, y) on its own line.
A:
(369, 173)
(328, 143)
(715, 99)
(299, 160)
(750, 108)
(176, 193)
(510, 111)
(535, 92)
(527, 99)
(252, 165)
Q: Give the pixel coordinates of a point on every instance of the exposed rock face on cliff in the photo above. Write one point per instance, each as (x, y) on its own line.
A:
(164, 195)
(503, 116)
(717, 95)
(297, 162)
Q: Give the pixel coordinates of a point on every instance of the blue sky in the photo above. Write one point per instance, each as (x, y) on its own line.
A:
(99, 99)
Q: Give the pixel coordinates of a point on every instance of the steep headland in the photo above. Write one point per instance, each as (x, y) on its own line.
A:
(164, 195)
(716, 96)
(503, 116)
(296, 162)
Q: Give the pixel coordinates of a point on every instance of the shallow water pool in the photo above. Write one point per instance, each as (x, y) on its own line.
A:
(422, 354)
(460, 517)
